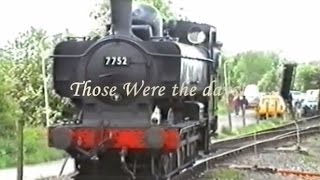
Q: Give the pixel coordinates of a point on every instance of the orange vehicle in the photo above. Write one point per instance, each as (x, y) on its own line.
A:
(271, 105)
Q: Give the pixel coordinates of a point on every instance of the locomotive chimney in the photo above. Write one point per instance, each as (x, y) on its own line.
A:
(121, 16)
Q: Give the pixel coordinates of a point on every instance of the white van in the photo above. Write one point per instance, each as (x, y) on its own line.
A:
(313, 94)
(252, 94)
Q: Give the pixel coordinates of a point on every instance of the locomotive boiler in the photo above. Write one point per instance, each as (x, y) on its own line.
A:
(140, 111)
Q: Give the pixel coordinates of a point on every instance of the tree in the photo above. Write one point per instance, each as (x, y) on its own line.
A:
(23, 59)
(162, 6)
(307, 77)
(250, 67)
(270, 81)
(10, 111)
(101, 15)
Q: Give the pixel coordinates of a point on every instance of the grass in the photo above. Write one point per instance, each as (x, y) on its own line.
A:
(222, 109)
(263, 125)
(36, 149)
(225, 133)
(227, 174)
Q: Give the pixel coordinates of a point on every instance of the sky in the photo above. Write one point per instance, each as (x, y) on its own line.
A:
(288, 26)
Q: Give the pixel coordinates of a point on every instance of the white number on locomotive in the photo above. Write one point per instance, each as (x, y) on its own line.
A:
(116, 60)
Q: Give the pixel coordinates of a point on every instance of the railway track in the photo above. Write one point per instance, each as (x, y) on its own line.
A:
(228, 148)
(232, 143)
(196, 172)
(266, 169)
(303, 122)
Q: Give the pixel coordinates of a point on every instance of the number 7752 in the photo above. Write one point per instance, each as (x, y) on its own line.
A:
(116, 60)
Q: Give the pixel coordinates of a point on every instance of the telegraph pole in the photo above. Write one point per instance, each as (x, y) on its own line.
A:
(20, 150)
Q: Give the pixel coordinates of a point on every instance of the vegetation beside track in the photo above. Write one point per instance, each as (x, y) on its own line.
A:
(286, 160)
(263, 125)
(222, 110)
(36, 149)
(227, 174)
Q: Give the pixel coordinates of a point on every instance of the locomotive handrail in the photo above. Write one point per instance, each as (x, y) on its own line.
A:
(186, 127)
(133, 42)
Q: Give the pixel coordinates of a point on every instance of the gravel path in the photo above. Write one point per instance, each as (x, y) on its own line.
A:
(37, 171)
(282, 158)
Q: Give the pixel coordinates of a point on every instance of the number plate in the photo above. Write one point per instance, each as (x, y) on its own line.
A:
(116, 61)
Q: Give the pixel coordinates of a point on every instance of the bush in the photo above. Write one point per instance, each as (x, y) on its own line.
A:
(36, 149)
(9, 110)
(23, 68)
(222, 109)
(21, 92)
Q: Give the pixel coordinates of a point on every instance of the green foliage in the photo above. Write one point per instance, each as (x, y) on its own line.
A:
(22, 96)
(227, 174)
(34, 142)
(243, 131)
(23, 63)
(10, 111)
(162, 6)
(101, 14)
(264, 125)
(250, 67)
(307, 77)
(270, 81)
(222, 109)
(263, 69)
(36, 149)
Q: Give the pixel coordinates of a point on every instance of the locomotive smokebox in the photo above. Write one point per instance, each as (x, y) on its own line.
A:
(121, 16)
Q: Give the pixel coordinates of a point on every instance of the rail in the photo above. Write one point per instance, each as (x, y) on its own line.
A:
(208, 163)
(267, 169)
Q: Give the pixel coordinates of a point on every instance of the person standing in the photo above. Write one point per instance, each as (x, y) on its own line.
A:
(230, 101)
(236, 104)
(244, 104)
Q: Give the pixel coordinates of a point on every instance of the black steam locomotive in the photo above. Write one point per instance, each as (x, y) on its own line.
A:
(116, 133)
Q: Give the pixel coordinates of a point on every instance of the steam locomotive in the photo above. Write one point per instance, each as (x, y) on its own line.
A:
(116, 135)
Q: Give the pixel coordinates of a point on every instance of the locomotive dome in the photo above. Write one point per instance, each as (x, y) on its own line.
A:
(147, 14)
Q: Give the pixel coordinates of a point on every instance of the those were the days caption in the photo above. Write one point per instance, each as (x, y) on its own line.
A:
(135, 89)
